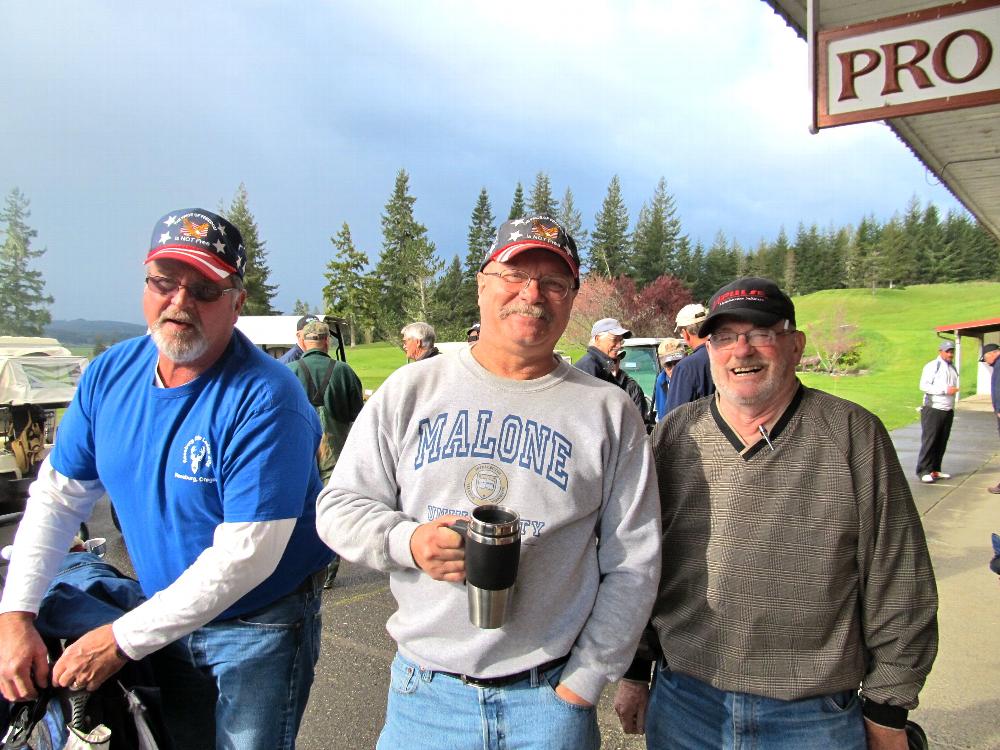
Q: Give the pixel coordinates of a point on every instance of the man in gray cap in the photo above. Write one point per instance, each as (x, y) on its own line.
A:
(939, 382)
(603, 360)
(990, 354)
(795, 566)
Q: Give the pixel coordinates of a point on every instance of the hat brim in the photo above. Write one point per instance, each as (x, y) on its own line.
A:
(505, 253)
(625, 333)
(207, 264)
(758, 317)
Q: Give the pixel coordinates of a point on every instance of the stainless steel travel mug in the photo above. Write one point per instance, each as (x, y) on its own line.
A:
(492, 552)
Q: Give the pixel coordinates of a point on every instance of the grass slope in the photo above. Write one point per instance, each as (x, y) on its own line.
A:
(897, 326)
(898, 330)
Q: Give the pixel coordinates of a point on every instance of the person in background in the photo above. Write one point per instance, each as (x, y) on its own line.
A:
(501, 423)
(334, 390)
(692, 377)
(939, 382)
(603, 357)
(418, 341)
(669, 352)
(472, 333)
(208, 447)
(795, 564)
(297, 349)
(991, 352)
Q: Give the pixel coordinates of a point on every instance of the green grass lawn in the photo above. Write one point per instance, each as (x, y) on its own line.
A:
(897, 326)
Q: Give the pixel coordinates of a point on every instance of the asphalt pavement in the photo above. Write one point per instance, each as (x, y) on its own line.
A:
(959, 705)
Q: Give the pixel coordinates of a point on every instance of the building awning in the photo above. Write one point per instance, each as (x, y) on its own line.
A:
(972, 328)
(960, 147)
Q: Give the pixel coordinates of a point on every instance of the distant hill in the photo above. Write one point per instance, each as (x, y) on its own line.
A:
(81, 332)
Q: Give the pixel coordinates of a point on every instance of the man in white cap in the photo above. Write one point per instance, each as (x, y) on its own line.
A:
(692, 378)
(503, 422)
(939, 382)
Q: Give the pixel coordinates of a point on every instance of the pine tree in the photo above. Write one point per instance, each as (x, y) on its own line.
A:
(450, 319)
(656, 236)
(517, 205)
(863, 256)
(909, 259)
(482, 230)
(23, 302)
(571, 220)
(403, 283)
(257, 274)
(610, 251)
(349, 293)
(542, 203)
(301, 307)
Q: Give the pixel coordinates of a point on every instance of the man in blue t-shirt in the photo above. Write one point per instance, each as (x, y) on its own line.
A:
(692, 377)
(205, 445)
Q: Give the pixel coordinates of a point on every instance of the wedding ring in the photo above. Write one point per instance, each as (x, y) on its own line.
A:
(76, 686)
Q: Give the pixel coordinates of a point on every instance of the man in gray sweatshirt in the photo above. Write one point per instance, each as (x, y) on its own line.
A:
(505, 422)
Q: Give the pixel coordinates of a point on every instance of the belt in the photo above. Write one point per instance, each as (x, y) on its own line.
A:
(510, 679)
(311, 582)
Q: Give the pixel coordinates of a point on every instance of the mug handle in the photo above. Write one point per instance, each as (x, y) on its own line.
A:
(460, 528)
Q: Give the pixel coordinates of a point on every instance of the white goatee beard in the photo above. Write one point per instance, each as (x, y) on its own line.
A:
(183, 347)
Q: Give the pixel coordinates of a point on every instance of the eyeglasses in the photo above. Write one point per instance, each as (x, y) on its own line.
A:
(757, 338)
(554, 287)
(166, 286)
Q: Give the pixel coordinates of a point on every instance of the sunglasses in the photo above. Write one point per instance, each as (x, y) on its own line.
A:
(165, 286)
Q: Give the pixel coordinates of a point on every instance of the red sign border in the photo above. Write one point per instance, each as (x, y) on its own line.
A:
(825, 36)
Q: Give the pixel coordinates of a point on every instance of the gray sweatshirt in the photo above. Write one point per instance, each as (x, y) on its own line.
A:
(568, 452)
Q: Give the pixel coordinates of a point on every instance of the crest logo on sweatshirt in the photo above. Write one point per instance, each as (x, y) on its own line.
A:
(486, 484)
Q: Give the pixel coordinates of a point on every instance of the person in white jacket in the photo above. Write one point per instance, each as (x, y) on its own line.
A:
(939, 382)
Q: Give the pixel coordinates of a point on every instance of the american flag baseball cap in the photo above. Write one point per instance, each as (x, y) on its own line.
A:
(204, 240)
(517, 235)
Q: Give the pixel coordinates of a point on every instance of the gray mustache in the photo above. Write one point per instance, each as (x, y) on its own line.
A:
(532, 311)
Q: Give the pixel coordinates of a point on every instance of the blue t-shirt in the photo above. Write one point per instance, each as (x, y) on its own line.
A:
(660, 394)
(236, 444)
(690, 380)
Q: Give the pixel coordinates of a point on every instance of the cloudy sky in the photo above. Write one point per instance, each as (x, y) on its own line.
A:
(116, 112)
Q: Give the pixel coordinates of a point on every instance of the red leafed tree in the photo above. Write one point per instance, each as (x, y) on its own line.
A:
(649, 312)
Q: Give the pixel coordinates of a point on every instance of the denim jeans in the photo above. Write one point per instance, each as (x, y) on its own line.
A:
(688, 714)
(429, 711)
(243, 684)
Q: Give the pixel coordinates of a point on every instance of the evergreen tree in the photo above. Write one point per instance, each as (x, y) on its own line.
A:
(893, 250)
(257, 274)
(863, 260)
(790, 274)
(542, 203)
(656, 237)
(517, 205)
(23, 302)
(572, 221)
(610, 253)
(721, 266)
(301, 307)
(349, 293)
(482, 231)
(449, 318)
(909, 260)
(404, 269)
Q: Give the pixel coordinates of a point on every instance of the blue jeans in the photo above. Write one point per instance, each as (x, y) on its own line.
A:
(429, 711)
(688, 714)
(243, 684)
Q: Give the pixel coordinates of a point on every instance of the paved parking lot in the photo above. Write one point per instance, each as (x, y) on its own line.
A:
(959, 706)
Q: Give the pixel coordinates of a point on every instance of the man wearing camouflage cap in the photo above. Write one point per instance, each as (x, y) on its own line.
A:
(206, 446)
(501, 423)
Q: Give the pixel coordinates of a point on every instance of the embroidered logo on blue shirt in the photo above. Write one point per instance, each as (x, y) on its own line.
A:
(197, 457)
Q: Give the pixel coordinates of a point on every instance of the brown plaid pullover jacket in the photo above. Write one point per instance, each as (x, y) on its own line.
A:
(797, 571)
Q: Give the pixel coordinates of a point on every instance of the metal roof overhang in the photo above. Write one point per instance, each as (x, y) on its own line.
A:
(960, 147)
(972, 328)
